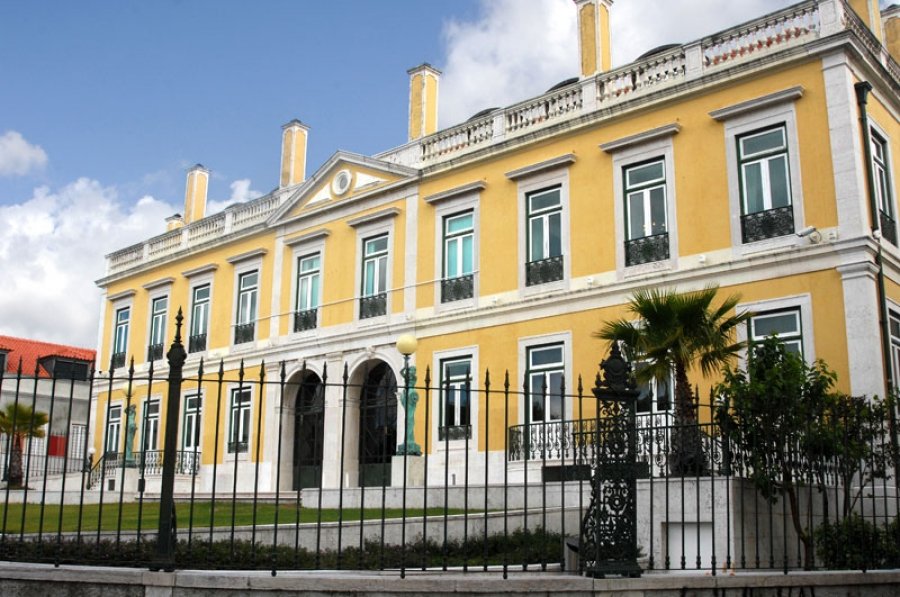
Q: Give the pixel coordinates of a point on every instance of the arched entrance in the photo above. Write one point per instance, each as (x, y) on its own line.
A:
(309, 431)
(377, 425)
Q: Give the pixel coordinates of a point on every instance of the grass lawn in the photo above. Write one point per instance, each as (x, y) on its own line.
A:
(134, 515)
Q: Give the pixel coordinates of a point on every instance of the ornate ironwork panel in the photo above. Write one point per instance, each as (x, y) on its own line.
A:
(154, 352)
(454, 432)
(609, 528)
(372, 306)
(456, 289)
(543, 271)
(305, 320)
(117, 360)
(767, 224)
(888, 228)
(244, 333)
(197, 343)
(647, 249)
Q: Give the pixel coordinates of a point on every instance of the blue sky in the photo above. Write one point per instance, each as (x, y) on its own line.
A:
(104, 104)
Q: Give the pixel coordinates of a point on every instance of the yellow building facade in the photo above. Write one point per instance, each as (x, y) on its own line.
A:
(753, 159)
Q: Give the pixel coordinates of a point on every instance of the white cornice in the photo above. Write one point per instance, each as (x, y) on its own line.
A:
(256, 253)
(779, 97)
(203, 269)
(472, 187)
(310, 236)
(651, 135)
(391, 212)
(122, 295)
(159, 283)
(557, 162)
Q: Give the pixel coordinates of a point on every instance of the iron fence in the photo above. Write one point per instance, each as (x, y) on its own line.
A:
(319, 483)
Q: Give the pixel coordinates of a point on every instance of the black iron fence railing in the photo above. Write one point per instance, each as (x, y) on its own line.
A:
(305, 320)
(372, 306)
(769, 223)
(496, 495)
(457, 289)
(647, 249)
(544, 271)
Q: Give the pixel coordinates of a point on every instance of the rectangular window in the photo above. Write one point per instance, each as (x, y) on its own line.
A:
(645, 213)
(248, 295)
(199, 318)
(456, 399)
(374, 277)
(784, 324)
(190, 429)
(882, 182)
(120, 338)
(765, 184)
(75, 370)
(544, 229)
(150, 433)
(459, 247)
(113, 428)
(655, 395)
(545, 383)
(239, 421)
(308, 281)
(158, 310)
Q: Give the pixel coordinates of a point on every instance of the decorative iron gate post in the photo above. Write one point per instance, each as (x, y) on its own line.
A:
(165, 539)
(609, 530)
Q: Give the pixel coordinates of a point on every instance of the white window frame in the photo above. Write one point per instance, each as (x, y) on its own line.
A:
(113, 427)
(471, 354)
(787, 339)
(755, 115)
(456, 201)
(197, 278)
(367, 228)
(117, 325)
(529, 180)
(244, 422)
(158, 321)
(150, 425)
(196, 417)
(239, 274)
(525, 344)
(803, 302)
(301, 248)
(641, 148)
(884, 190)
(193, 330)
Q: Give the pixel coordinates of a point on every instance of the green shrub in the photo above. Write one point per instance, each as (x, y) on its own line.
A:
(855, 544)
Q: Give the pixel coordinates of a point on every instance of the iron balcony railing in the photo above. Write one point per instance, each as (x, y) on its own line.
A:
(544, 270)
(457, 289)
(244, 332)
(187, 462)
(197, 343)
(454, 432)
(888, 228)
(238, 447)
(769, 223)
(373, 306)
(647, 249)
(155, 351)
(305, 320)
(117, 360)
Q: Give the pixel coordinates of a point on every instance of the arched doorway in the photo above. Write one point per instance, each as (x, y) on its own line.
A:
(377, 426)
(309, 431)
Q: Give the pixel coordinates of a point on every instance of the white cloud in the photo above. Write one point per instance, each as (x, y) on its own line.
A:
(19, 157)
(240, 192)
(52, 251)
(517, 49)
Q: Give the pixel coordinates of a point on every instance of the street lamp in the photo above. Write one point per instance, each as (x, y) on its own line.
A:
(406, 345)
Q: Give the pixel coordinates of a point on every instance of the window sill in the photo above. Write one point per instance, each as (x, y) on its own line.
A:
(637, 271)
(546, 287)
(768, 245)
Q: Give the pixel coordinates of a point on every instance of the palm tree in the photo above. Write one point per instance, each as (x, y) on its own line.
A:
(19, 422)
(672, 332)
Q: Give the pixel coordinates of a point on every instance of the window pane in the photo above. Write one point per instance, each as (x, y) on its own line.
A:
(644, 174)
(382, 274)
(309, 264)
(778, 180)
(537, 239)
(762, 142)
(467, 245)
(636, 215)
(543, 200)
(555, 234)
(457, 224)
(753, 193)
(369, 281)
(313, 292)
(376, 245)
(536, 385)
(551, 355)
(450, 411)
(776, 323)
(657, 210)
(463, 407)
(452, 258)
(201, 293)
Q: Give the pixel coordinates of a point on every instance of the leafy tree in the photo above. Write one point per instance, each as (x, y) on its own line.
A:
(672, 332)
(19, 422)
(785, 426)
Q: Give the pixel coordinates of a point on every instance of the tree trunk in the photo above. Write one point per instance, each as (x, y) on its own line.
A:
(14, 476)
(686, 456)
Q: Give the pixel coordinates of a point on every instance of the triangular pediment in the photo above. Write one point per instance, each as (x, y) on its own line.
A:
(344, 176)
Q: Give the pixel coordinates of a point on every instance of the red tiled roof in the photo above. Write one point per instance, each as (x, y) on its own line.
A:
(31, 352)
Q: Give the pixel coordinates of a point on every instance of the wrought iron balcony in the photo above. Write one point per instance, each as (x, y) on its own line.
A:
(454, 432)
(197, 343)
(244, 332)
(237, 447)
(305, 320)
(457, 289)
(373, 306)
(155, 352)
(187, 462)
(767, 224)
(117, 360)
(647, 249)
(544, 270)
(888, 228)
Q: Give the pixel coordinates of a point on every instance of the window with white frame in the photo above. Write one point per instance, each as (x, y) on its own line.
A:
(308, 285)
(882, 184)
(765, 184)
(190, 428)
(159, 308)
(459, 250)
(545, 375)
(374, 277)
(113, 428)
(785, 324)
(150, 433)
(456, 403)
(544, 230)
(248, 297)
(655, 395)
(239, 421)
(200, 297)
(120, 336)
(647, 238)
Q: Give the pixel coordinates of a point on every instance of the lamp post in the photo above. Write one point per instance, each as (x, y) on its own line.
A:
(406, 345)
